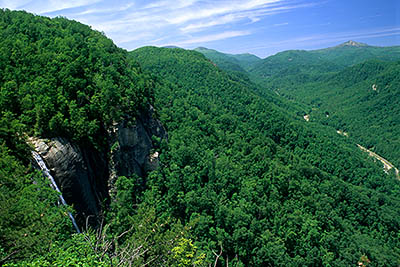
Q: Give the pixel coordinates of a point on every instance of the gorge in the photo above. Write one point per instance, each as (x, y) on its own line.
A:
(176, 157)
(86, 175)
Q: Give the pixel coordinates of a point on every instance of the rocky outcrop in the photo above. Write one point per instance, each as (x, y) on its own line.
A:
(132, 148)
(81, 174)
(86, 175)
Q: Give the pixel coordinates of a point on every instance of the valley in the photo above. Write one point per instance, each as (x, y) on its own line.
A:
(386, 164)
(176, 157)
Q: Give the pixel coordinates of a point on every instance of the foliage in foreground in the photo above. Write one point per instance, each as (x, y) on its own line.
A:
(264, 188)
(242, 182)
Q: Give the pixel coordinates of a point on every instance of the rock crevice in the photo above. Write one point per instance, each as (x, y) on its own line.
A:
(85, 176)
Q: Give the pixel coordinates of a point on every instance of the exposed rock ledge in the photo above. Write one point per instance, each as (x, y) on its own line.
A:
(86, 175)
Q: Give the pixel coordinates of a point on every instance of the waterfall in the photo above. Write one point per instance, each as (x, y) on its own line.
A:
(53, 184)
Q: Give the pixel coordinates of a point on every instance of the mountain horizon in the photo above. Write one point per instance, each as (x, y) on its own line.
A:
(349, 43)
(165, 156)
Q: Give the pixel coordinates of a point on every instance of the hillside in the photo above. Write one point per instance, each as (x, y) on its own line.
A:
(246, 173)
(289, 64)
(291, 67)
(338, 81)
(62, 78)
(74, 96)
(341, 94)
(366, 105)
(350, 53)
(168, 159)
(230, 62)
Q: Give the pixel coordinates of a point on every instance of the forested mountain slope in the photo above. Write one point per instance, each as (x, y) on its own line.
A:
(60, 79)
(364, 101)
(237, 65)
(230, 62)
(291, 67)
(240, 176)
(361, 99)
(258, 185)
(222, 60)
(350, 53)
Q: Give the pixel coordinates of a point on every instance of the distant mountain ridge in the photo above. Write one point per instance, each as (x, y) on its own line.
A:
(169, 159)
(225, 135)
(352, 43)
(230, 62)
(353, 82)
(344, 54)
(172, 46)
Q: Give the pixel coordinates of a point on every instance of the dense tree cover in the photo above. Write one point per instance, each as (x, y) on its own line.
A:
(222, 60)
(230, 62)
(133, 235)
(59, 77)
(258, 185)
(27, 211)
(289, 68)
(246, 60)
(362, 100)
(350, 53)
(243, 181)
(344, 55)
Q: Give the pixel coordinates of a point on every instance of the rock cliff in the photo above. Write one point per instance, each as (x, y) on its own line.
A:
(131, 144)
(86, 175)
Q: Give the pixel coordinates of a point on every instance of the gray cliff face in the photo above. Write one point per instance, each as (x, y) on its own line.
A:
(85, 176)
(132, 145)
(80, 174)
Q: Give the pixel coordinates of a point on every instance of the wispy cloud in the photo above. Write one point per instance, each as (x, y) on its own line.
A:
(281, 24)
(213, 37)
(212, 9)
(116, 9)
(182, 22)
(194, 27)
(46, 6)
(249, 13)
(17, 4)
(182, 19)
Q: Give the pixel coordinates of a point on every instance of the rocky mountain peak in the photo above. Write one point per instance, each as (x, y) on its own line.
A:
(353, 43)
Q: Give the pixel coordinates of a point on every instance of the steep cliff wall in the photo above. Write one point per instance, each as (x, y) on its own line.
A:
(86, 175)
(131, 144)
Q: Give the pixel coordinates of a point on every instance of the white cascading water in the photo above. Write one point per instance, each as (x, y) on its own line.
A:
(53, 184)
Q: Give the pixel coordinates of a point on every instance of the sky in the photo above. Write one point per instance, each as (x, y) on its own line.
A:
(260, 27)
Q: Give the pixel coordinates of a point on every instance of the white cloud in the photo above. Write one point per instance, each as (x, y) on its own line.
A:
(105, 10)
(54, 5)
(210, 23)
(213, 37)
(46, 6)
(134, 23)
(219, 8)
(252, 15)
(137, 22)
(168, 5)
(281, 24)
(15, 4)
(190, 15)
(127, 38)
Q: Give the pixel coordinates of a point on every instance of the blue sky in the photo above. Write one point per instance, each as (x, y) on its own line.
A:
(260, 27)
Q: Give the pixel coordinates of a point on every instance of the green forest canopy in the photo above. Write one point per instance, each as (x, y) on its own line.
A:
(241, 174)
(263, 185)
